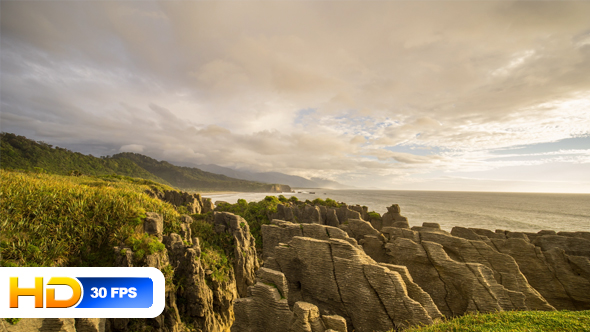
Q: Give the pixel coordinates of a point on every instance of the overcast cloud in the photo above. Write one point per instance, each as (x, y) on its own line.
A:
(397, 95)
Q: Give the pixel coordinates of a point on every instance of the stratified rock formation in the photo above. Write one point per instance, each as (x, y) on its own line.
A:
(345, 269)
(461, 275)
(317, 214)
(557, 266)
(193, 203)
(206, 306)
(246, 261)
(393, 218)
(322, 266)
(267, 309)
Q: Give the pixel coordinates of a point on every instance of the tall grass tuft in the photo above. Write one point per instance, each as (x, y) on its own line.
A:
(53, 220)
(529, 321)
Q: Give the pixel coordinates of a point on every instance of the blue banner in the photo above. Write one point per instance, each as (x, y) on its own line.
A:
(116, 293)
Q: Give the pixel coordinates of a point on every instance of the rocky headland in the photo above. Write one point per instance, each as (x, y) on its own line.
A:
(342, 268)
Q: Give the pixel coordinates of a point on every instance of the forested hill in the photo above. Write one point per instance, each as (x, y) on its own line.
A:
(19, 152)
(190, 177)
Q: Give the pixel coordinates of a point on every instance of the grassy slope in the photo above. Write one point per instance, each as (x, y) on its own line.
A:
(530, 321)
(53, 220)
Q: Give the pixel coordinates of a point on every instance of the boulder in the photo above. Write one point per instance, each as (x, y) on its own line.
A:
(392, 216)
(153, 224)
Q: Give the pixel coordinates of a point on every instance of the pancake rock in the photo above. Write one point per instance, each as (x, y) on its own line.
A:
(318, 214)
(266, 309)
(246, 261)
(557, 266)
(321, 264)
(461, 275)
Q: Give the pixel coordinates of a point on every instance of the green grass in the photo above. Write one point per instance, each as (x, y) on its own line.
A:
(53, 220)
(328, 202)
(12, 321)
(217, 250)
(529, 321)
(255, 213)
(374, 215)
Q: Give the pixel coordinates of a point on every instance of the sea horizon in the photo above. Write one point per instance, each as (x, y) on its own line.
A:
(513, 211)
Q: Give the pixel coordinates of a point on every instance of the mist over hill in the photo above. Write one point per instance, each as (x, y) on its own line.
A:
(274, 177)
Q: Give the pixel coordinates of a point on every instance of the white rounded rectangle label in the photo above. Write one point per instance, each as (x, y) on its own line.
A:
(81, 292)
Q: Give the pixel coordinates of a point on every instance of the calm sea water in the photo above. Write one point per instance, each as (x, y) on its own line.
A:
(510, 211)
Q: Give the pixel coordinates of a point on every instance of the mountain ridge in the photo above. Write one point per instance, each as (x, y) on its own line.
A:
(271, 177)
(20, 152)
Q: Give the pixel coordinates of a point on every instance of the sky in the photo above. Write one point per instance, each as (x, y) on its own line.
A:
(423, 95)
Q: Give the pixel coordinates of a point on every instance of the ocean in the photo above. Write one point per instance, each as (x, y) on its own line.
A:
(525, 212)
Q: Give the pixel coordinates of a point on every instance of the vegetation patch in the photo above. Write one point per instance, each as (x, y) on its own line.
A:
(53, 220)
(144, 244)
(255, 213)
(12, 321)
(532, 321)
(217, 250)
(374, 215)
(328, 202)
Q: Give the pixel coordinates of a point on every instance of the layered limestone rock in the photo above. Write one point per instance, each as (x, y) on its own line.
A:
(317, 214)
(207, 306)
(266, 309)
(556, 266)
(392, 218)
(362, 210)
(321, 262)
(280, 231)
(43, 325)
(461, 275)
(344, 214)
(318, 264)
(279, 188)
(358, 229)
(245, 258)
(321, 272)
(193, 203)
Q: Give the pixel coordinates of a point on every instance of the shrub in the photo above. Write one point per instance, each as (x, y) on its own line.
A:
(374, 215)
(53, 220)
(255, 213)
(144, 244)
(217, 250)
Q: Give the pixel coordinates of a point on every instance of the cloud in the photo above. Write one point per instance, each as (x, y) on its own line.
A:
(226, 82)
(137, 148)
